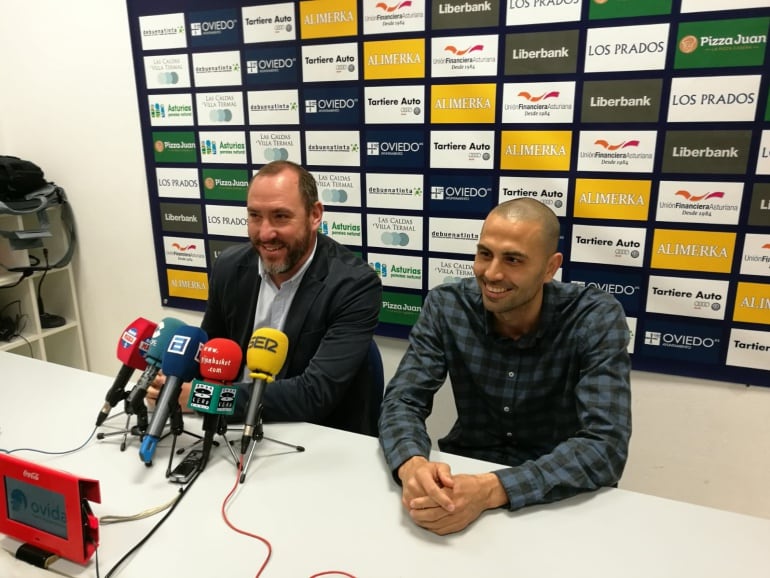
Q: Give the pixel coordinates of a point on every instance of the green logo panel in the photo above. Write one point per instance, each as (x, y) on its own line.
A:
(627, 8)
(174, 147)
(400, 308)
(721, 43)
(225, 184)
(767, 109)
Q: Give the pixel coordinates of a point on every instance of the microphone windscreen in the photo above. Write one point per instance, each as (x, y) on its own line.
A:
(159, 340)
(220, 360)
(134, 342)
(182, 354)
(267, 351)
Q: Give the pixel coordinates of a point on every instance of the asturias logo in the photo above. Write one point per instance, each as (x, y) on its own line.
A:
(614, 147)
(696, 198)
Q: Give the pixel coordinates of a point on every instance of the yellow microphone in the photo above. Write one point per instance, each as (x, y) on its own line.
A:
(265, 357)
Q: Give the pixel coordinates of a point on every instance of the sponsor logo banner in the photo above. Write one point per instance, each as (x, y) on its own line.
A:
(711, 151)
(627, 48)
(163, 32)
(756, 255)
(344, 228)
(170, 109)
(401, 149)
(454, 235)
(622, 101)
(623, 286)
(397, 270)
(713, 5)
(216, 68)
(464, 14)
(216, 246)
(394, 232)
(400, 308)
(273, 65)
(184, 251)
(520, 12)
(214, 28)
(328, 19)
(538, 102)
(393, 16)
(601, 9)
(222, 147)
(177, 183)
(752, 303)
(442, 271)
(278, 145)
(631, 324)
(763, 159)
(330, 62)
(338, 189)
(721, 43)
(387, 190)
(333, 147)
(225, 184)
(226, 220)
(704, 298)
(550, 191)
(708, 251)
(271, 23)
(272, 107)
(535, 150)
(749, 349)
(388, 59)
(683, 341)
(466, 194)
(699, 202)
(464, 56)
(394, 104)
(713, 98)
(608, 245)
(167, 71)
(174, 147)
(759, 213)
(333, 106)
(187, 284)
(541, 53)
(181, 218)
(461, 149)
(627, 151)
(612, 199)
(219, 108)
(463, 103)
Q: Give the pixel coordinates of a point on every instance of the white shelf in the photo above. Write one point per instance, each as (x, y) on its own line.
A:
(63, 345)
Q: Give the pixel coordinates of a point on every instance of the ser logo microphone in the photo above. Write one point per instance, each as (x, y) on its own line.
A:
(263, 342)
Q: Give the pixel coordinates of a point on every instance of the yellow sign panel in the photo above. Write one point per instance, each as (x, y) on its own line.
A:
(388, 59)
(535, 150)
(461, 103)
(693, 250)
(188, 284)
(328, 18)
(752, 303)
(612, 199)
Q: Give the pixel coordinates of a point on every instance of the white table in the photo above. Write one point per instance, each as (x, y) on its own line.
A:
(335, 507)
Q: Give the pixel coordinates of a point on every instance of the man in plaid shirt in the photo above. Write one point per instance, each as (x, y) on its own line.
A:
(540, 375)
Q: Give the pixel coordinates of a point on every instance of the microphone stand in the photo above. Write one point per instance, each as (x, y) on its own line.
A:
(257, 435)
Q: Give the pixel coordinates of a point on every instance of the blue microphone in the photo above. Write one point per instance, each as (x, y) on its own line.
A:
(180, 364)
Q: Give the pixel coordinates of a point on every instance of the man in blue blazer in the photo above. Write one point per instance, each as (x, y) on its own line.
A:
(318, 292)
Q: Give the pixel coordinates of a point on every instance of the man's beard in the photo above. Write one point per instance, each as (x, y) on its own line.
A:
(295, 252)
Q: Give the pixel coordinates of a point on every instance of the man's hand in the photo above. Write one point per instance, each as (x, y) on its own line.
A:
(444, 503)
(153, 391)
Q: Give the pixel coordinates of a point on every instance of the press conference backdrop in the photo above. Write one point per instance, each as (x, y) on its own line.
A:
(644, 124)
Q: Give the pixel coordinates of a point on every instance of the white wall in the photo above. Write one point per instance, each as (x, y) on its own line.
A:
(68, 102)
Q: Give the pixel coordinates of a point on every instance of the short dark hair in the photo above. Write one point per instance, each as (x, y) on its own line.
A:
(307, 185)
(529, 209)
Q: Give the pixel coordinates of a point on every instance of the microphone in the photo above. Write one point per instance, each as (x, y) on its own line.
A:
(158, 344)
(180, 364)
(220, 365)
(132, 347)
(264, 357)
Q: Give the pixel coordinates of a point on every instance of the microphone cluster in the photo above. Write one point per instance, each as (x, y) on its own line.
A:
(184, 353)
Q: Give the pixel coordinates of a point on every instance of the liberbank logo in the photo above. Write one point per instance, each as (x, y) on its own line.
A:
(721, 43)
(387, 59)
(759, 213)
(541, 53)
(536, 150)
(181, 218)
(617, 151)
(464, 14)
(621, 101)
(713, 152)
(464, 56)
(463, 103)
(708, 251)
(763, 160)
(328, 19)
